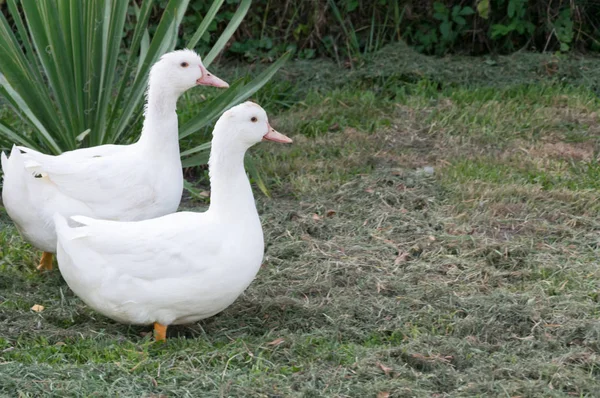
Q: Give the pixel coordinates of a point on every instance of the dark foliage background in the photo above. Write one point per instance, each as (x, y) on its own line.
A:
(343, 29)
(349, 29)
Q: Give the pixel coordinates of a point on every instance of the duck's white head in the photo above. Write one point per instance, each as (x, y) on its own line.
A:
(247, 124)
(181, 70)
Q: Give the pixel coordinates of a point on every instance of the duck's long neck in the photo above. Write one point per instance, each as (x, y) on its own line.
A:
(160, 129)
(230, 192)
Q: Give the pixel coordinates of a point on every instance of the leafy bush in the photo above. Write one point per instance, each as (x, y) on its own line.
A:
(310, 28)
(347, 29)
(504, 26)
(68, 77)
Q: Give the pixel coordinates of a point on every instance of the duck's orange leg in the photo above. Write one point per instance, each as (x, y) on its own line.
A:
(160, 331)
(45, 262)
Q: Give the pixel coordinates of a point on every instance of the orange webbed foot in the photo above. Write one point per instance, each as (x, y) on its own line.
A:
(45, 262)
(160, 332)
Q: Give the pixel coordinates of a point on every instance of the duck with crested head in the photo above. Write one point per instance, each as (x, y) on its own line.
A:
(184, 266)
(114, 182)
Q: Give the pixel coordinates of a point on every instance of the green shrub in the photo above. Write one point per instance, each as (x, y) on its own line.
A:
(348, 29)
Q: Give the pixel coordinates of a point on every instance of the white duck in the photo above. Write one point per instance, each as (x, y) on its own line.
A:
(115, 182)
(181, 267)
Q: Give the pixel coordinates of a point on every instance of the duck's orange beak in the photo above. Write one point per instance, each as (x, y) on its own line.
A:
(209, 79)
(274, 135)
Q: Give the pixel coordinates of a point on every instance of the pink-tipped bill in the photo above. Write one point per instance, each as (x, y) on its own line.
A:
(209, 79)
(275, 136)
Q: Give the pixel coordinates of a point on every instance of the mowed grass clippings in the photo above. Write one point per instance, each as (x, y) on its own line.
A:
(437, 242)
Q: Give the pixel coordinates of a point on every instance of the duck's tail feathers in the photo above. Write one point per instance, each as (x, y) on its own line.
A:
(65, 231)
(15, 175)
(83, 220)
(20, 162)
(3, 162)
(9, 164)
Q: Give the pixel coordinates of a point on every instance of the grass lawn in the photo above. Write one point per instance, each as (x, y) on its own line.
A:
(433, 231)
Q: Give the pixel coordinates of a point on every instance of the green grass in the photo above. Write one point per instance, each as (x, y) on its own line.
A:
(563, 174)
(480, 279)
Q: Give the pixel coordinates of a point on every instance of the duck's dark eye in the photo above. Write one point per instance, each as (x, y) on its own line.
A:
(184, 64)
(254, 119)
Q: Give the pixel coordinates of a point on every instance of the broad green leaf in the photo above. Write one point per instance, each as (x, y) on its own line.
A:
(256, 175)
(446, 29)
(49, 44)
(460, 20)
(114, 21)
(145, 42)
(26, 79)
(18, 103)
(23, 36)
(483, 9)
(208, 18)
(236, 20)
(512, 7)
(199, 148)
(138, 34)
(76, 57)
(499, 30)
(440, 8)
(198, 159)
(263, 78)
(455, 11)
(12, 137)
(211, 111)
(467, 11)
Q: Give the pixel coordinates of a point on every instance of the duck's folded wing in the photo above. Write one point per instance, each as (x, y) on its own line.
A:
(71, 156)
(89, 175)
(149, 250)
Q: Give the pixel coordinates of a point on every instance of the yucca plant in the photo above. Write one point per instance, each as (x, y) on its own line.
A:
(66, 73)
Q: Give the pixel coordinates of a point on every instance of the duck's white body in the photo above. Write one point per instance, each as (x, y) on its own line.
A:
(181, 267)
(109, 182)
(113, 182)
(174, 269)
